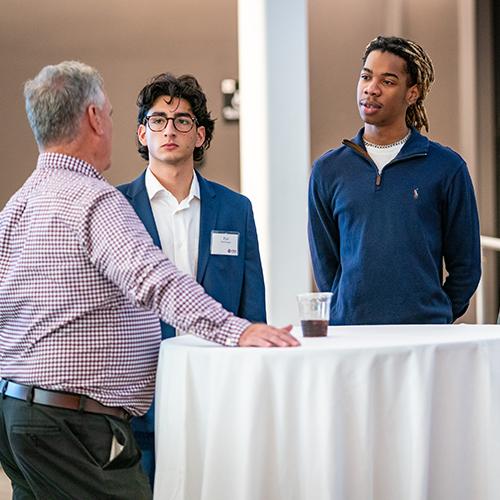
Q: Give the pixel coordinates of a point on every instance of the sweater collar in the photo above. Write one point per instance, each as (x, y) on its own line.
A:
(417, 144)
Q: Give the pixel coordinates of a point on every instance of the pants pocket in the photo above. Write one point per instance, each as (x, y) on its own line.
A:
(92, 436)
(29, 436)
(129, 454)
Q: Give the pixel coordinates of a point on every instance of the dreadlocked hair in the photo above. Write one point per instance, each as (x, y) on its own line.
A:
(419, 68)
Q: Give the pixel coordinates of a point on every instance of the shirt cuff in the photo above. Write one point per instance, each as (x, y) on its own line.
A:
(229, 334)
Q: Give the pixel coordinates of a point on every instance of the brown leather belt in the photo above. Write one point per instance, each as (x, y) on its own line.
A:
(58, 399)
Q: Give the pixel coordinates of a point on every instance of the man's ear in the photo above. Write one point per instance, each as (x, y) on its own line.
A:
(200, 136)
(95, 119)
(412, 95)
(141, 134)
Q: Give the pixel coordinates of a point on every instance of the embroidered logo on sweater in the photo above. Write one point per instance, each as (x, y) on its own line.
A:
(415, 194)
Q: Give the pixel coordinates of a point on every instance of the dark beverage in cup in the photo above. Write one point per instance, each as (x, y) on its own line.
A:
(314, 327)
(314, 313)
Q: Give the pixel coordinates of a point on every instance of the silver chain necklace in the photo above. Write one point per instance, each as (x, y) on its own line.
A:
(387, 146)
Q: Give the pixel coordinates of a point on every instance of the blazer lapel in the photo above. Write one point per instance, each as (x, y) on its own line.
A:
(139, 199)
(208, 218)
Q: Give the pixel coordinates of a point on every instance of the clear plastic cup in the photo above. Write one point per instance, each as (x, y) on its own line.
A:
(314, 313)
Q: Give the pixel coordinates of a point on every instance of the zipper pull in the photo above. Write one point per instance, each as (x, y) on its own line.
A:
(378, 180)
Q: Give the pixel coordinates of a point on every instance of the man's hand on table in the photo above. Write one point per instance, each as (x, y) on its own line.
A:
(262, 335)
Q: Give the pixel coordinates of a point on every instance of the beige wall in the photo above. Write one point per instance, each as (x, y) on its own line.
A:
(200, 37)
(128, 45)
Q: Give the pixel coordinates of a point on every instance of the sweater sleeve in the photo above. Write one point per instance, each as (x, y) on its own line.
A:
(461, 242)
(323, 232)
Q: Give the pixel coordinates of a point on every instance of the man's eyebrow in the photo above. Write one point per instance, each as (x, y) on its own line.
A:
(393, 75)
(368, 70)
(162, 113)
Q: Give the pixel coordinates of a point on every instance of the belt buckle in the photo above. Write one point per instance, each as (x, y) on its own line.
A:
(31, 395)
(4, 383)
(81, 404)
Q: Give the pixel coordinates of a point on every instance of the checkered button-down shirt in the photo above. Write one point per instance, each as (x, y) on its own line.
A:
(82, 286)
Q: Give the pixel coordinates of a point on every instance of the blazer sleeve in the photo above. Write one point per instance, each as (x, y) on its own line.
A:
(253, 297)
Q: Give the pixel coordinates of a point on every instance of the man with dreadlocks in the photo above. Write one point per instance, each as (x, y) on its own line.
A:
(387, 207)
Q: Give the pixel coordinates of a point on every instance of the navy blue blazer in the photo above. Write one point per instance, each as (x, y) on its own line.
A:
(234, 281)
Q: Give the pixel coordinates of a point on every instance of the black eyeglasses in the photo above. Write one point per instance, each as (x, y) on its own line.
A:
(182, 123)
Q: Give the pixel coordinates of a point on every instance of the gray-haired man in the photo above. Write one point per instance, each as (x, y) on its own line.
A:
(81, 289)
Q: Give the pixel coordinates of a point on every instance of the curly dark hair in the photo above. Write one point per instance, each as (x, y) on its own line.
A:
(420, 71)
(182, 87)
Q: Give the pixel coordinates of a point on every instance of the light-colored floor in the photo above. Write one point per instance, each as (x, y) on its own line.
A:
(5, 489)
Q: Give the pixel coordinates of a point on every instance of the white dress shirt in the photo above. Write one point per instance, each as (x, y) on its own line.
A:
(178, 224)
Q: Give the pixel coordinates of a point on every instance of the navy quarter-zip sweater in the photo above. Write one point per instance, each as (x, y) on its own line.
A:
(378, 241)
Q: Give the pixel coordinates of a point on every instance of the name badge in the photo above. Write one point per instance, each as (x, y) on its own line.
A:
(224, 243)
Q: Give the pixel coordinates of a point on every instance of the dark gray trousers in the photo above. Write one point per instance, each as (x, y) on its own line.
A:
(59, 454)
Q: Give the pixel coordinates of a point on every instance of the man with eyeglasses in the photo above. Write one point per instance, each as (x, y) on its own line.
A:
(206, 229)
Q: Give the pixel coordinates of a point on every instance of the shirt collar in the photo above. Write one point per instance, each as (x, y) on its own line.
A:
(62, 161)
(153, 187)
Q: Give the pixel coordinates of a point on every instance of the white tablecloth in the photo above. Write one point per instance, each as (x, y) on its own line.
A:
(367, 413)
